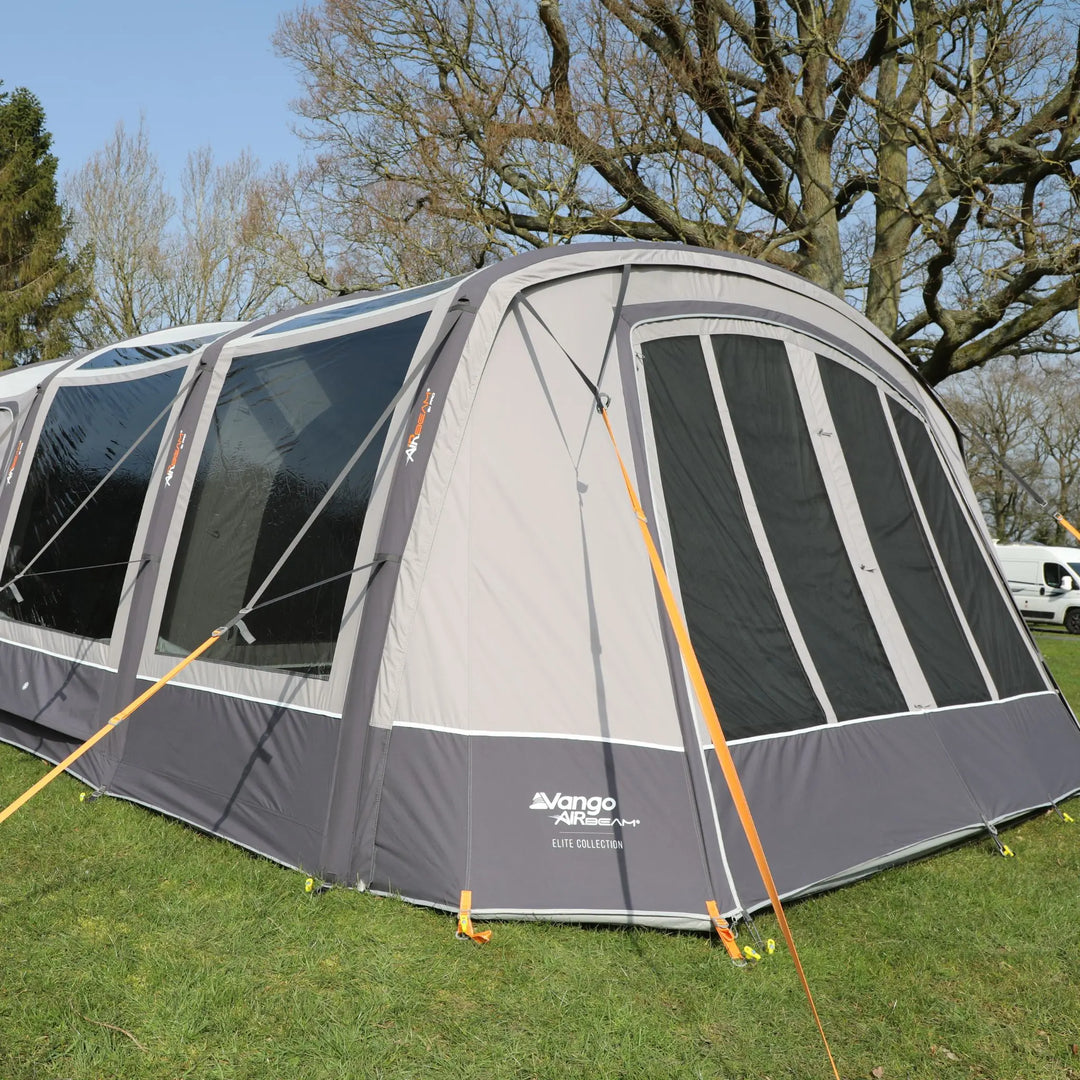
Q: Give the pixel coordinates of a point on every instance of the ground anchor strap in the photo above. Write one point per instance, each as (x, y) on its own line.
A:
(464, 921)
(727, 935)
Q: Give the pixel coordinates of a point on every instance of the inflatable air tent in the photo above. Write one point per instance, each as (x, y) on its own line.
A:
(447, 665)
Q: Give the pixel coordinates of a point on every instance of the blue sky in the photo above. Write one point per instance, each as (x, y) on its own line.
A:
(201, 72)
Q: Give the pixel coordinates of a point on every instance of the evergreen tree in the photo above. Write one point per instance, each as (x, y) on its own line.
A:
(42, 286)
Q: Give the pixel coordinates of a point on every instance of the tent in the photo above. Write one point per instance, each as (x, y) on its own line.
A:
(447, 665)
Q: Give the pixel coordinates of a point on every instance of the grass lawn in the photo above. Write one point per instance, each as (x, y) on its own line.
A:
(133, 947)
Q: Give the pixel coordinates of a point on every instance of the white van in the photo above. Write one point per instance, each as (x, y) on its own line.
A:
(1044, 582)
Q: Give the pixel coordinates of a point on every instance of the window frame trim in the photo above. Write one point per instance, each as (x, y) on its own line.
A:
(60, 643)
(305, 693)
(649, 322)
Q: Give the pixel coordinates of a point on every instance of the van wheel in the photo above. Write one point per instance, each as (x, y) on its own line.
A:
(1072, 620)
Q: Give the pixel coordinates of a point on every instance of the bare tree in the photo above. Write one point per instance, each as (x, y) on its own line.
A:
(389, 239)
(221, 261)
(1024, 413)
(121, 211)
(999, 409)
(213, 256)
(917, 156)
(1058, 442)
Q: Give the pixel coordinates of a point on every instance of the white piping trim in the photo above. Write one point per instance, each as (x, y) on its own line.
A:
(82, 662)
(598, 915)
(277, 702)
(570, 737)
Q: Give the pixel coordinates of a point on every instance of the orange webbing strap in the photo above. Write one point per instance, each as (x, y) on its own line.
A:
(1060, 519)
(119, 718)
(720, 745)
(464, 921)
(720, 924)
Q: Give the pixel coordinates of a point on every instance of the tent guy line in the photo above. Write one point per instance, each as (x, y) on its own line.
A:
(697, 679)
(106, 729)
(719, 742)
(1057, 515)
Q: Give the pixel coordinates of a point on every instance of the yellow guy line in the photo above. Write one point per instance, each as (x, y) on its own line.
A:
(723, 754)
(119, 718)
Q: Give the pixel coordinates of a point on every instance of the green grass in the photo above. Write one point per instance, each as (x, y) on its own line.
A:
(1062, 653)
(132, 947)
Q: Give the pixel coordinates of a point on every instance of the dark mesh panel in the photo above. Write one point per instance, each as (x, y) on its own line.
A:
(995, 631)
(798, 518)
(903, 555)
(754, 675)
(283, 428)
(87, 429)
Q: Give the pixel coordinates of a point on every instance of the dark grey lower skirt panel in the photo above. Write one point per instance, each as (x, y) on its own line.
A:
(93, 768)
(534, 826)
(53, 692)
(251, 772)
(500, 815)
(575, 830)
(837, 802)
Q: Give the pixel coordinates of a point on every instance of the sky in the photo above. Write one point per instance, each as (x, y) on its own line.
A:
(199, 72)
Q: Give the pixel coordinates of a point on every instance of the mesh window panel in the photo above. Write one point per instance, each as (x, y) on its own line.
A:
(798, 519)
(284, 426)
(75, 585)
(752, 670)
(996, 633)
(904, 557)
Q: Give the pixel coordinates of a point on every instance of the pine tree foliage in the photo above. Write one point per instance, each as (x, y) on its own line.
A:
(41, 283)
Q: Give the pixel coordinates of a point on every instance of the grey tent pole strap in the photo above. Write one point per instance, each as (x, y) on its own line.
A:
(623, 283)
(1057, 515)
(15, 592)
(100, 484)
(972, 433)
(594, 387)
(598, 397)
(379, 560)
(385, 415)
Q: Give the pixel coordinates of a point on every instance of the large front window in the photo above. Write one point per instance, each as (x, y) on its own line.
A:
(284, 426)
(75, 583)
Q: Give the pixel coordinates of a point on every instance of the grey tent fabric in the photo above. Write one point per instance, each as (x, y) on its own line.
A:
(465, 678)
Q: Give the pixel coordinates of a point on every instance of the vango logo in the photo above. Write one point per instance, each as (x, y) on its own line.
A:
(592, 811)
(592, 804)
(414, 439)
